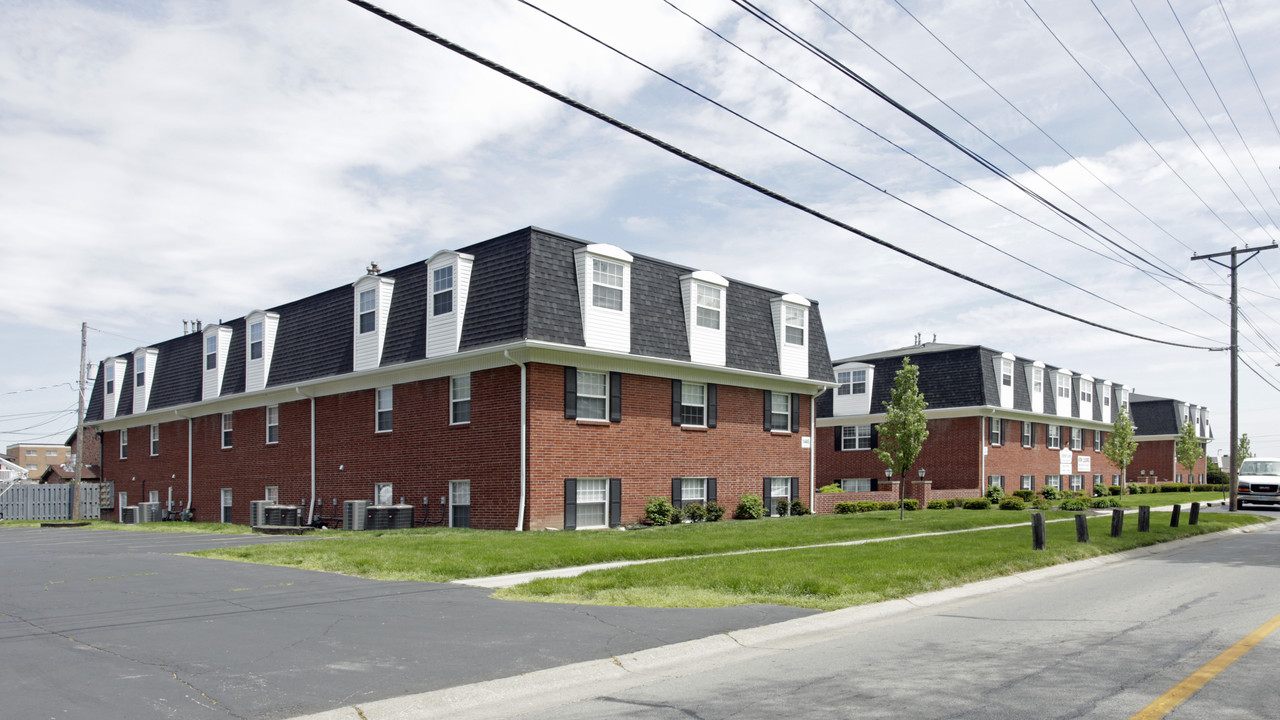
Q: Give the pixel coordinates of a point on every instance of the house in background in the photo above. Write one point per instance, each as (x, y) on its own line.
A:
(1159, 423)
(529, 381)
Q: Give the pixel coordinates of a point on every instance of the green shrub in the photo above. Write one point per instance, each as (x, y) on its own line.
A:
(911, 504)
(977, 503)
(1040, 504)
(1012, 502)
(833, 487)
(782, 507)
(694, 512)
(938, 504)
(845, 508)
(1113, 489)
(715, 511)
(1174, 487)
(1026, 495)
(1099, 490)
(750, 507)
(994, 493)
(660, 511)
(1104, 502)
(1074, 504)
(888, 505)
(799, 508)
(1049, 492)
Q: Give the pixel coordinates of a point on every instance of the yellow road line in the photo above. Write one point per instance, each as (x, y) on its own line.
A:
(1162, 705)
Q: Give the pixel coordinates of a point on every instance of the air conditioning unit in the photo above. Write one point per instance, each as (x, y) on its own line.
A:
(284, 515)
(354, 513)
(401, 517)
(378, 517)
(257, 512)
(129, 515)
(148, 512)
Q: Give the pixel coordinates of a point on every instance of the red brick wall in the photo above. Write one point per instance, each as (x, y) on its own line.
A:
(1156, 462)
(646, 451)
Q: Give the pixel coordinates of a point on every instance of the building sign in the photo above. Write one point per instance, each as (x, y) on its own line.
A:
(1084, 463)
(1064, 461)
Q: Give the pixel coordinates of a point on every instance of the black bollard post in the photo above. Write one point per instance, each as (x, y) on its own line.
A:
(1194, 518)
(1117, 522)
(1037, 531)
(1177, 513)
(1144, 518)
(1082, 528)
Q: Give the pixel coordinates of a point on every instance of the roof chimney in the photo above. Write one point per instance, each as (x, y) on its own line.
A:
(373, 268)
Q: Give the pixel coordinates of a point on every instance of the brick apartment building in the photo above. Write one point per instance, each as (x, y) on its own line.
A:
(529, 381)
(1159, 424)
(36, 458)
(993, 418)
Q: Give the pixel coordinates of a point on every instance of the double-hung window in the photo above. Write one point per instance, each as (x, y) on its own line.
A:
(593, 395)
(995, 428)
(382, 410)
(1053, 481)
(442, 290)
(693, 491)
(1037, 381)
(1064, 387)
(856, 437)
(460, 399)
(273, 424)
(155, 440)
(1006, 372)
(1027, 482)
(1097, 440)
(708, 306)
(211, 352)
(368, 311)
(1027, 428)
(111, 379)
(1077, 438)
(693, 404)
(1097, 480)
(593, 501)
(1077, 482)
(856, 485)
(1086, 391)
(793, 319)
(1055, 437)
(141, 370)
(779, 489)
(995, 481)
(852, 382)
(606, 284)
(255, 341)
(780, 412)
(226, 430)
(124, 444)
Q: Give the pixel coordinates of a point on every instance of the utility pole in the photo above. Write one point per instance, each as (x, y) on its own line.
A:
(1236, 262)
(79, 461)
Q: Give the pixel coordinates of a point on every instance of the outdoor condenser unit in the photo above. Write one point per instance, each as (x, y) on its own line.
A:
(401, 517)
(129, 514)
(148, 512)
(378, 517)
(353, 514)
(257, 513)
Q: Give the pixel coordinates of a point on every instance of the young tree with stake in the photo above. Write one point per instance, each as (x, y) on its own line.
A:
(1121, 445)
(904, 430)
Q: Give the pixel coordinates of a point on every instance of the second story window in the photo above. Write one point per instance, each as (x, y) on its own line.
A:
(155, 440)
(1077, 438)
(794, 320)
(124, 444)
(606, 284)
(856, 437)
(852, 382)
(382, 411)
(1006, 372)
(1054, 441)
(708, 307)
(368, 313)
(460, 399)
(226, 430)
(111, 379)
(442, 290)
(780, 412)
(273, 424)
(255, 341)
(593, 396)
(211, 352)
(693, 404)
(141, 370)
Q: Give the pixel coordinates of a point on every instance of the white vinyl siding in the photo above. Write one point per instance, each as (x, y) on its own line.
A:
(450, 274)
(1063, 393)
(791, 322)
(703, 294)
(1004, 379)
(144, 363)
(604, 288)
(261, 348)
(853, 395)
(217, 344)
(372, 305)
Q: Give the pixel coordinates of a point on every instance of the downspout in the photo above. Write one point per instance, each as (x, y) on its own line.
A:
(982, 454)
(813, 444)
(311, 501)
(524, 433)
(188, 419)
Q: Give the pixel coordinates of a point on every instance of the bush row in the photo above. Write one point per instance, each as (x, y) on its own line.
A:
(660, 511)
(861, 506)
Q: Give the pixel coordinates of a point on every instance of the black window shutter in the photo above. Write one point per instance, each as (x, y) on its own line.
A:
(795, 412)
(677, 399)
(839, 433)
(1033, 434)
(768, 410)
(675, 493)
(711, 490)
(615, 502)
(875, 436)
(570, 393)
(570, 503)
(1004, 432)
(711, 405)
(795, 488)
(615, 397)
(768, 497)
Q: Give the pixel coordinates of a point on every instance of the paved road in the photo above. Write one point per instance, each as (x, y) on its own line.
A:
(113, 624)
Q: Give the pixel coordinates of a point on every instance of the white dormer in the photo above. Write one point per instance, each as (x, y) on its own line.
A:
(259, 346)
(113, 386)
(1124, 400)
(144, 370)
(371, 306)
(791, 331)
(215, 347)
(704, 296)
(1104, 393)
(448, 279)
(1035, 385)
(1062, 392)
(1003, 366)
(853, 396)
(1084, 388)
(604, 293)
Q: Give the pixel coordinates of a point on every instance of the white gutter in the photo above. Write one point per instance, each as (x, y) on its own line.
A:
(311, 501)
(813, 443)
(524, 443)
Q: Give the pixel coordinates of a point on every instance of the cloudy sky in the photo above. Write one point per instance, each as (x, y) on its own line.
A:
(168, 161)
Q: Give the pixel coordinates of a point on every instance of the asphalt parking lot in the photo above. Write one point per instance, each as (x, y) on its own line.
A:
(105, 623)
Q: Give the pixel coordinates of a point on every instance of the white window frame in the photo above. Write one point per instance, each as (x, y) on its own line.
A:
(1064, 386)
(124, 444)
(1077, 482)
(1086, 392)
(708, 305)
(272, 494)
(855, 437)
(1037, 381)
(995, 480)
(606, 284)
(855, 484)
(587, 381)
(1006, 372)
(1097, 440)
(111, 378)
(693, 491)
(226, 497)
(228, 430)
(995, 431)
(852, 382)
(368, 300)
(693, 405)
(1027, 482)
(256, 331)
(155, 440)
(774, 497)
(1053, 438)
(1053, 481)
(140, 370)
(460, 400)
(794, 325)
(1106, 399)
(592, 493)
(1098, 480)
(211, 352)
(442, 290)
(1027, 429)
(459, 496)
(383, 404)
(784, 412)
(384, 489)
(1077, 439)
(273, 424)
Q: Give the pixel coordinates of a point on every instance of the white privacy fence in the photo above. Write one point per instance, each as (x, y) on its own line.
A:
(26, 501)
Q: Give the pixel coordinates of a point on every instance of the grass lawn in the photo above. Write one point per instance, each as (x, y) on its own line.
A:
(442, 554)
(170, 527)
(1176, 498)
(837, 577)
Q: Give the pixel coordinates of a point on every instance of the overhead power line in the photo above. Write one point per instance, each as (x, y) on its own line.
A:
(528, 82)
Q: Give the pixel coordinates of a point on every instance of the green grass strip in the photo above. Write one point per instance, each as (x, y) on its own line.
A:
(162, 527)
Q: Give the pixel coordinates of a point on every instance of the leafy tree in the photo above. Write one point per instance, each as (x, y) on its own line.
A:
(1188, 448)
(1215, 473)
(1121, 445)
(1243, 450)
(904, 430)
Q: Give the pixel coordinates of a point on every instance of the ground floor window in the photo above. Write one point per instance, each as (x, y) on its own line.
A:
(383, 494)
(1179, 478)
(777, 488)
(226, 505)
(460, 503)
(272, 494)
(856, 485)
(693, 491)
(995, 481)
(593, 501)
(1077, 482)
(1053, 481)
(1027, 482)
(1097, 480)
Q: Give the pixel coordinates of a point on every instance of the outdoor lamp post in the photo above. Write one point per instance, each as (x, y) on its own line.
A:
(921, 473)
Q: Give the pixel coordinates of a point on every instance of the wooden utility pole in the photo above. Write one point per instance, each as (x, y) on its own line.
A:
(79, 461)
(1236, 262)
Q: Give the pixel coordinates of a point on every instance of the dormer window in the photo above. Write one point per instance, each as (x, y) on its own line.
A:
(795, 325)
(255, 341)
(111, 379)
(1086, 392)
(1006, 372)
(606, 284)
(852, 382)
(211, 352)
(442, 290)
(259, 348)
(708, 307)
(1037, 381)
(368, 311)
(1064, 386)
(140, 371)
